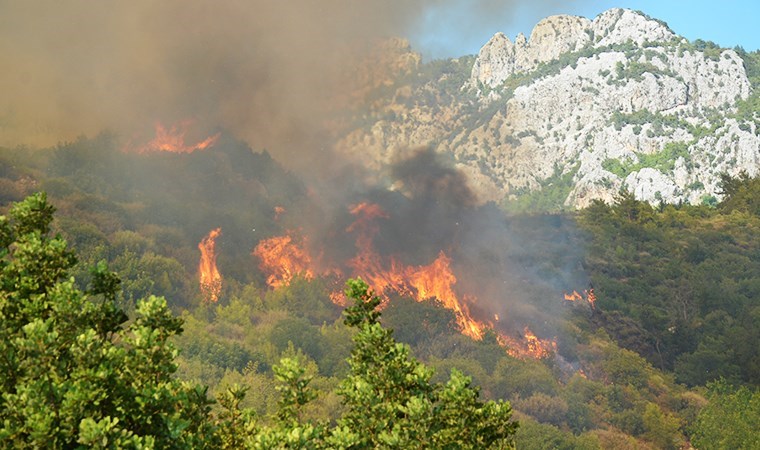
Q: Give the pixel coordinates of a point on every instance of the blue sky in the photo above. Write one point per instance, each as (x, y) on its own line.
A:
(456, 29)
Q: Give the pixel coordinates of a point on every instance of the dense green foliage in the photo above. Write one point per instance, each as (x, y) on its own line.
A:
(71, 372)
(688, 277)
(741, 194)
(731, 419)
(389, 400)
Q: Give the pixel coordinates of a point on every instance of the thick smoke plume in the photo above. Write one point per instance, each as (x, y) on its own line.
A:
(276, 74)
(516, 268)
(268, 71)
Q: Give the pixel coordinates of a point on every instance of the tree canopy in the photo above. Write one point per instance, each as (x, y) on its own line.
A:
(74, 373)
(78, 372)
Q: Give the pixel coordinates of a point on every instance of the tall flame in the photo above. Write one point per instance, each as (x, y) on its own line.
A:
(282, 258)
(591, 297)
(210, 278)
(173, 140)
(435, 280)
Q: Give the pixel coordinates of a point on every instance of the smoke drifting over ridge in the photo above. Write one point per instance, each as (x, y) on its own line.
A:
(514, 268)
(266, 71)
(273, 74)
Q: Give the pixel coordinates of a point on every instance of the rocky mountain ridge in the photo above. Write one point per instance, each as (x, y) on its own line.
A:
(576, 112)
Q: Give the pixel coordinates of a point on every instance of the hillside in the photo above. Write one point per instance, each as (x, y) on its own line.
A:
(582, 374)
(484, 200)
(576, 111)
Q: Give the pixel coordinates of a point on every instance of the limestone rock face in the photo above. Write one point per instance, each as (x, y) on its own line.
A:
(557, 35)
(618, 26)
(551, 37)
(583, 107)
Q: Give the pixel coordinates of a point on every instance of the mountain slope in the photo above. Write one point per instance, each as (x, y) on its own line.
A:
(577, 111)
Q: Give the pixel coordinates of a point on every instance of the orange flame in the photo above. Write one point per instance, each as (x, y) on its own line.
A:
(591, 297)
(576, 297)
(539, 348)
(282, 258)
(435, 280)
(173, 140)
(531, 347)
(210, 278)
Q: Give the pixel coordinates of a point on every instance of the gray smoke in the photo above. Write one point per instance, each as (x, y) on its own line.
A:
(268, 71)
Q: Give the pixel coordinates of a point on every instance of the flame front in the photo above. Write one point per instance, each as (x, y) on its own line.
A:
(576, 297)
(539, 348)
(531, 346)
(435, 280)
(173, 140)
(282, 258)
(210, 278)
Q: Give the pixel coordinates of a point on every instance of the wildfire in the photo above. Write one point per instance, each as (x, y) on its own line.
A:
(173, 140)
(591, 297)
(367, 263)
(539, 348)
(435, 280)
(576, 297)
(531, 347)
(282, 258)
(210, 278)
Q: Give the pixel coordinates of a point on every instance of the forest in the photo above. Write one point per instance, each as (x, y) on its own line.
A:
(644, 318)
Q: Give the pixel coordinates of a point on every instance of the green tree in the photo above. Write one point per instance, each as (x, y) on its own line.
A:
(391, 403)
(72, 373)
(662, 428)
(388, 398)
(740, 193)
(730, 420)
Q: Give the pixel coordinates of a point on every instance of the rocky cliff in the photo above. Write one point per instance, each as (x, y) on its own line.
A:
(576, 111)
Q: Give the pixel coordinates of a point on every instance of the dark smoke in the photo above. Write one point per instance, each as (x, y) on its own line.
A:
(271, 73)
(517, 268)
(429, 180)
